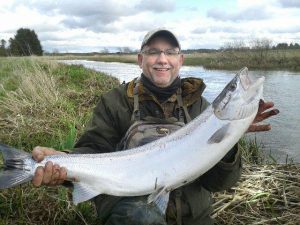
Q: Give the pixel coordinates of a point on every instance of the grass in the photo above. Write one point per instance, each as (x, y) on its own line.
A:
(254, 59)
(225, 60)
(267, 193)
(46, 103)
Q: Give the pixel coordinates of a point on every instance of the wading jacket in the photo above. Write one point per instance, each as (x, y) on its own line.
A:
(112, 118)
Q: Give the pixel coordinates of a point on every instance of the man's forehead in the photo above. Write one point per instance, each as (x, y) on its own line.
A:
(157, 41)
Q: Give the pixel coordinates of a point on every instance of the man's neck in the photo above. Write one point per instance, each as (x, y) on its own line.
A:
(162, 94)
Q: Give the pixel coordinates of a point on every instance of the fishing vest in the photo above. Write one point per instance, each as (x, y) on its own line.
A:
(148, 129)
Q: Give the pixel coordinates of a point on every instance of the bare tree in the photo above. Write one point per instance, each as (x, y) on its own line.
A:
(261, 49)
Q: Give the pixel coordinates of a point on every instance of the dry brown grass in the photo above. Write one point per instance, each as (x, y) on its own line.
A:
(266, 194)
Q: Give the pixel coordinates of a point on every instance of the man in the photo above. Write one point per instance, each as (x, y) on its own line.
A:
(159, 95)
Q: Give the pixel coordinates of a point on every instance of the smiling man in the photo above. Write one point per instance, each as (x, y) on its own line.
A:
(160, 58)
(124, 118)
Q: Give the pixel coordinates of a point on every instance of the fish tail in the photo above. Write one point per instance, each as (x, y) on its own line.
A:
(13, 170)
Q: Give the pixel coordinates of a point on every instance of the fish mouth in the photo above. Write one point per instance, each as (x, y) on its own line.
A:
(247, 82)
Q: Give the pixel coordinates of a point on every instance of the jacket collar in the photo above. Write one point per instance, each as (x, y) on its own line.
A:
(192, 89)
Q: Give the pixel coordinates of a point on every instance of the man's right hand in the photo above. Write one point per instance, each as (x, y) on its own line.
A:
(51, 174)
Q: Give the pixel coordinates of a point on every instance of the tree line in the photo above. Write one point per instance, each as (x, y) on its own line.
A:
(257, 44)
(24, 43)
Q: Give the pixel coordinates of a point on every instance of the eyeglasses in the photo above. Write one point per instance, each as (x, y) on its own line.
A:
(156, 52)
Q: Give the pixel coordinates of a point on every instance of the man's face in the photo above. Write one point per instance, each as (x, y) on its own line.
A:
(162, 69)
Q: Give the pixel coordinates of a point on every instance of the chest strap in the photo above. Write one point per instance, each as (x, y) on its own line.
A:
(136, 115)
(183, 111)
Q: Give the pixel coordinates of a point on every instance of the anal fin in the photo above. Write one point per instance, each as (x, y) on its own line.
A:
(160, 198)
(83, 193)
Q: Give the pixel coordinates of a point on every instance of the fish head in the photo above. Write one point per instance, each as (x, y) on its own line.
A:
(240, 98)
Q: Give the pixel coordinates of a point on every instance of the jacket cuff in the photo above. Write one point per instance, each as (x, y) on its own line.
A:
(232, 158)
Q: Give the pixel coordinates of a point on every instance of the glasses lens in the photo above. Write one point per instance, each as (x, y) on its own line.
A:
(171, 52)
(157, 52)
(152, 52)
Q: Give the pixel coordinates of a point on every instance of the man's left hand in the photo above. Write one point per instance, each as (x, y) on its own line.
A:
(261, 115)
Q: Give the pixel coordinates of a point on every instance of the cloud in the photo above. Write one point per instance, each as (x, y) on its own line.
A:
(98, 15)
(156, 6)
(200, 30)
(292, 29)
(290, 3)
(95, 15)
(253, 13)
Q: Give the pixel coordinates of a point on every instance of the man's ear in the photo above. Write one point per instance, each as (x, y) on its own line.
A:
(181, 60)
(140, 60)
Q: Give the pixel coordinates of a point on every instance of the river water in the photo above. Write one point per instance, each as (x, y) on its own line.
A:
(281, 87)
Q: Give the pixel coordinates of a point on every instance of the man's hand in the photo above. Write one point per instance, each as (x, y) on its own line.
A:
(50, 174)
(261, 115)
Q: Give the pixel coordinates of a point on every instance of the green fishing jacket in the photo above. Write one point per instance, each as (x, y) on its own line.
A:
(113, 116)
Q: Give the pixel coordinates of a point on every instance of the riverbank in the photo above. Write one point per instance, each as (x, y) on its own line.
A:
(46, 103)
(223, 60)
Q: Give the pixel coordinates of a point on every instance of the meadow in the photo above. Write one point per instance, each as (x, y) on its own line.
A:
(49, 104)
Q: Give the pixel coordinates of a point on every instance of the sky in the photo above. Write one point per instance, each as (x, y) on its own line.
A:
(98, 25)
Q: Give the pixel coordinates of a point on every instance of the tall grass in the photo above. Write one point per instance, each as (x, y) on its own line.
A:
(46, 101)
(48, 104)
(253, 59)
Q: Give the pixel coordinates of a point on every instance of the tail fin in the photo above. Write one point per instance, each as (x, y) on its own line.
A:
(14, 172)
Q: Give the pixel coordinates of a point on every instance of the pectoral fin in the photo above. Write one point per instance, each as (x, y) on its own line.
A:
(83, 193)
(219, 135)
(160, 198)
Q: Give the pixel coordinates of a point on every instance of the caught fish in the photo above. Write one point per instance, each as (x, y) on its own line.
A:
(158, 167)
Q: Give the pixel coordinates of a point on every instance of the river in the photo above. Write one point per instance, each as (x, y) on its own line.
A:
(281, 87)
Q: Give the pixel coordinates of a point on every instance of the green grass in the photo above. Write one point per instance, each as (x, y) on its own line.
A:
(254, 60)
(47, 101)
(47, 104)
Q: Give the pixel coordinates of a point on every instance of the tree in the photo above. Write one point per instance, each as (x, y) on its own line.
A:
(296, 46)
(2, 48)
(261, 50)
(25, 43)
(282, 46)
(261, 44)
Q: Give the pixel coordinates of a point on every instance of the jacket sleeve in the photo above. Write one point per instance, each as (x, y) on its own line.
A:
(104, 130)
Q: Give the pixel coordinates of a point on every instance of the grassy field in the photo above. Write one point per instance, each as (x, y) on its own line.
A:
(48, 104)
(225, 60)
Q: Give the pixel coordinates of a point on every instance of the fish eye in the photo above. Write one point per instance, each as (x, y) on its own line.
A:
(232, 87)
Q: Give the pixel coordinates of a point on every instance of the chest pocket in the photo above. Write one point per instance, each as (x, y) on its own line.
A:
(143, 132)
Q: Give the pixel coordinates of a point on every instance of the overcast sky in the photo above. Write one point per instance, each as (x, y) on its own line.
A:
(91, 25)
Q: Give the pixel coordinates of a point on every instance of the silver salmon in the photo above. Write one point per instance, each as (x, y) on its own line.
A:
(158, 167)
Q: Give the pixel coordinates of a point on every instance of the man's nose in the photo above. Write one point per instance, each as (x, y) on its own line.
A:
(162, 58)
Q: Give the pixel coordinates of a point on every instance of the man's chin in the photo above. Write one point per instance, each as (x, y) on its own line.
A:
(162, 83)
